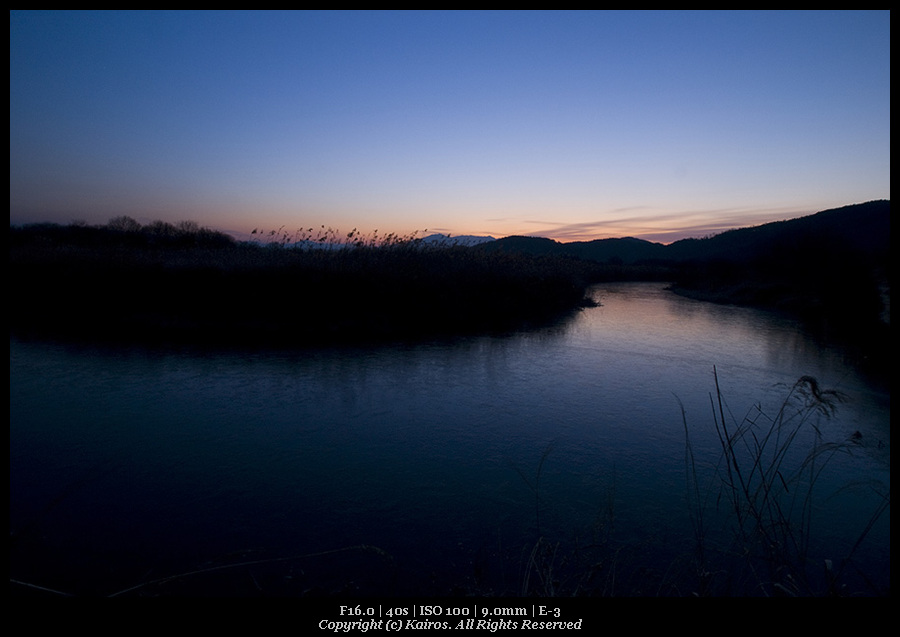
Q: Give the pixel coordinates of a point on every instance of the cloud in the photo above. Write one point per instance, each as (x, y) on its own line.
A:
(663, 227)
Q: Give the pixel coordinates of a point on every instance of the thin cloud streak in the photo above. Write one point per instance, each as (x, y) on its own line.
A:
(666, 227)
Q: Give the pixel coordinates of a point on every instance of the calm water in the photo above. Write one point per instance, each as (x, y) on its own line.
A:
(452, 459)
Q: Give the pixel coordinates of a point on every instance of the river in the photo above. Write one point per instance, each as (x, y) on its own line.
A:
(544, 462)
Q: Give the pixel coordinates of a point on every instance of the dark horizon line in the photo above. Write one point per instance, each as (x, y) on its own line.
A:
(244, 236)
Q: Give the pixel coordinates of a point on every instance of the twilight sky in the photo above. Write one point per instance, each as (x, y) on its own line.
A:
(570, 125)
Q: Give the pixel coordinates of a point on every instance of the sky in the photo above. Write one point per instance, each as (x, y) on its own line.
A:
(568, 125)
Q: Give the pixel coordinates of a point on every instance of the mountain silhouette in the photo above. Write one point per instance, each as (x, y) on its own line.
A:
(829, 269)
(861, 229)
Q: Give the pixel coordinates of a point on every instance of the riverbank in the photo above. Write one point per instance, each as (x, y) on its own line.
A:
(847, 306)
(199, 287)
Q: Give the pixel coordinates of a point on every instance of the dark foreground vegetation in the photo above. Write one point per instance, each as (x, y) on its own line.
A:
(186, 284)
(183, 283)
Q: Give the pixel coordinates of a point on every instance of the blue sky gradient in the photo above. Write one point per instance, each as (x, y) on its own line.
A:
(569, 125)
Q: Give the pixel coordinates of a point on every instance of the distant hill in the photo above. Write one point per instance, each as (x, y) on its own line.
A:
(626, 250)
(830, 269)
(456, 240)
(526, 245)
(860, 228)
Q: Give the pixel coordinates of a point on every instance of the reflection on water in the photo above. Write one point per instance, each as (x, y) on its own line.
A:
(452, 458)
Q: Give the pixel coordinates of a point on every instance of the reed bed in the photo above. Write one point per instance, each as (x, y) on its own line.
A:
(126, 282)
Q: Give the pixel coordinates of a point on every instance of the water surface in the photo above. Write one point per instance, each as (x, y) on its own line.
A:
(453, 463)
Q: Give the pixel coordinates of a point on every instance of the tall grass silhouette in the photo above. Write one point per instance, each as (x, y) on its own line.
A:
(183, 283)
(751, 513)
(766, 487)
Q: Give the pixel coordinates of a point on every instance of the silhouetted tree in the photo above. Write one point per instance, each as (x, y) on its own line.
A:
(123, 223)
